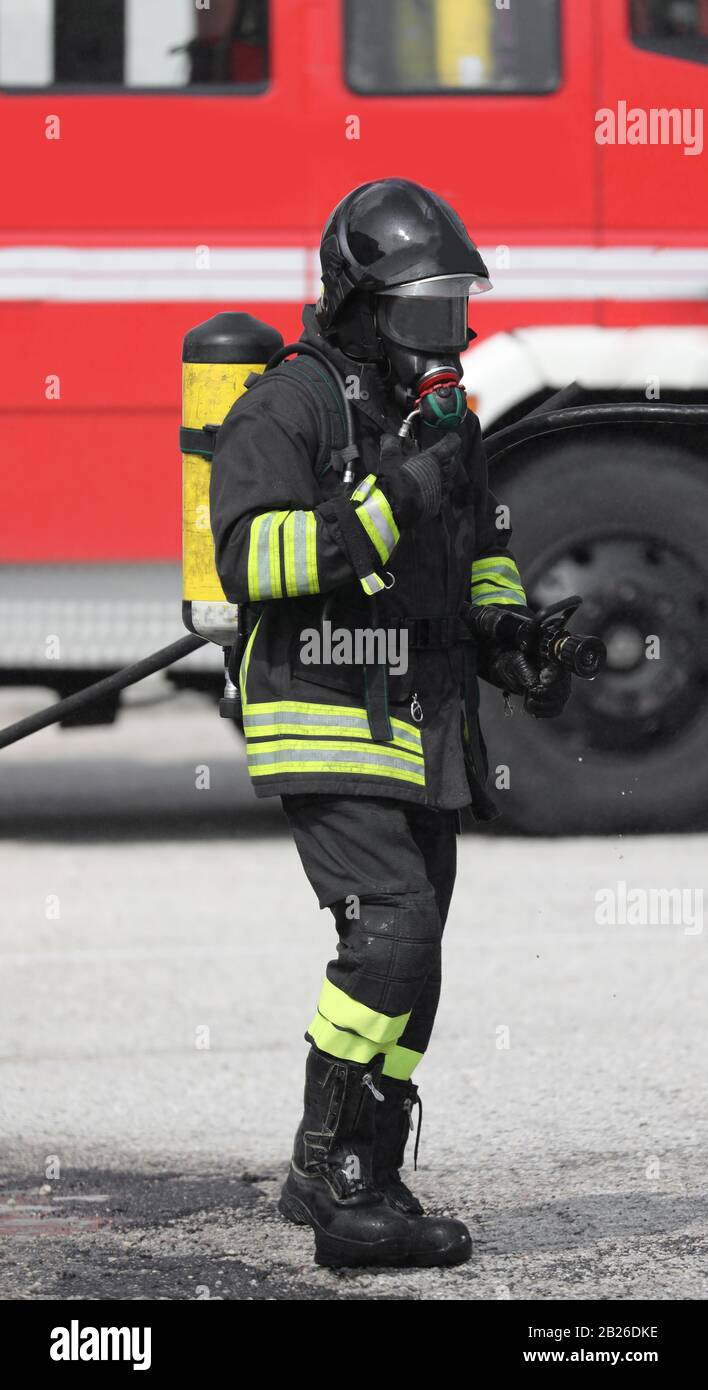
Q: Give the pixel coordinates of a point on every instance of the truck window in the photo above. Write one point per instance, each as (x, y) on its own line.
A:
(678, 28)
(124, 44)
(452, 46)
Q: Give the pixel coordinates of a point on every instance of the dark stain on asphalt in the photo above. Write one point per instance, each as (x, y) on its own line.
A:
(54, 1247)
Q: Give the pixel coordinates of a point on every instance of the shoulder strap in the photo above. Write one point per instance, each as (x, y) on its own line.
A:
(315, 380)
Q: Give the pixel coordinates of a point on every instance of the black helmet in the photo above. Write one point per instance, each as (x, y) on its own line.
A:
(392, 233)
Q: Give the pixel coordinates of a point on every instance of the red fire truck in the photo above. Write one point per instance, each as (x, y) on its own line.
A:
(164, 160)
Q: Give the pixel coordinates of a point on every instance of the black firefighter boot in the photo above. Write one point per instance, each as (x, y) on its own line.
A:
(329, 1185)
(441, 1238)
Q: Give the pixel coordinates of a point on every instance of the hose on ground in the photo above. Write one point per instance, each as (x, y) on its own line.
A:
(129, 675)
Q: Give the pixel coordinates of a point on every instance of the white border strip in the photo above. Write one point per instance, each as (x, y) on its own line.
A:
(291, 275)
(591, 273)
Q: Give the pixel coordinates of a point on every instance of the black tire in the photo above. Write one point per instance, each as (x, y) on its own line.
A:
(564, 493)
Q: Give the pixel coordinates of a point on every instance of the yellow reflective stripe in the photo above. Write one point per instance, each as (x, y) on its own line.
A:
(339, 1043)
(372, 583)
(289, 555)
(311, 553)
(501, 581)
(276, 582)
(496, 579)
(254, 588)
(264, 569)
(403, 769)
(378, 521)
(243, 673)
(339, 1008)
(501, 596)
(338, 769)
(300, 554)
(401, 1062)
(265, 572)
(276, 728)
(482, 596)
(485, 586)
(363, 748)
(308, 707)
(363, 488)
(495, 564)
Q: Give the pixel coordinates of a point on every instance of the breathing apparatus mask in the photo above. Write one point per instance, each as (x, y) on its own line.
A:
(422, 329)
(398, 267)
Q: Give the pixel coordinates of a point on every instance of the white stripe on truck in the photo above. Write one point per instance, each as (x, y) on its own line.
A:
(257, 274)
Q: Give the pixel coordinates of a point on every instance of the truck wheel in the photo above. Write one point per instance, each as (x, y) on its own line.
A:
(620, 517)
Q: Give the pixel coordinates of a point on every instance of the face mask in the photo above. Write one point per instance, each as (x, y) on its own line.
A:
(426, 380)
(423, 328)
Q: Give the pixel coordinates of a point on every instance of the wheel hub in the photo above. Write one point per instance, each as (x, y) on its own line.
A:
(648, 603)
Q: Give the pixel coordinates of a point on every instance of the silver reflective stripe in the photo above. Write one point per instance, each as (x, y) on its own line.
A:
(336, 755)
(408, 736)
(371, 583)
(347, 721)
(371, 506)
(300, 547)
(264, 585)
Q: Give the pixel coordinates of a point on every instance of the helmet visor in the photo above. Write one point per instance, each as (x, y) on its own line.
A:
(424, 324)
(429, 315)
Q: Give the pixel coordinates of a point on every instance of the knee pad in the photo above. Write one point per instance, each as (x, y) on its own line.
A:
(388, 952)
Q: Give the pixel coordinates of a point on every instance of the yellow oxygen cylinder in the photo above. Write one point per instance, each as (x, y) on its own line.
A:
(217, 357)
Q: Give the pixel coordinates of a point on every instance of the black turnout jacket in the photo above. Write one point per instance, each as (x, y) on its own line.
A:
(333, 589)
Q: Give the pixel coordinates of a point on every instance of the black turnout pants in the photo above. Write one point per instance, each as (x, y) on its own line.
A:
(386, 869)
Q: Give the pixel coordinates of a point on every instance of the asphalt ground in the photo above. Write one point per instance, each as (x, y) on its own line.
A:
(160, 957)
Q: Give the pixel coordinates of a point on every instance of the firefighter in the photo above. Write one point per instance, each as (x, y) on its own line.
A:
(373, 765)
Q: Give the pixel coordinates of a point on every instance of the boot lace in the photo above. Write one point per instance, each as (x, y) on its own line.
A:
(408, 1107)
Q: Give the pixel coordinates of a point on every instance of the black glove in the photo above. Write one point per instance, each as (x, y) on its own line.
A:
(414, 484)
(545, 690)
